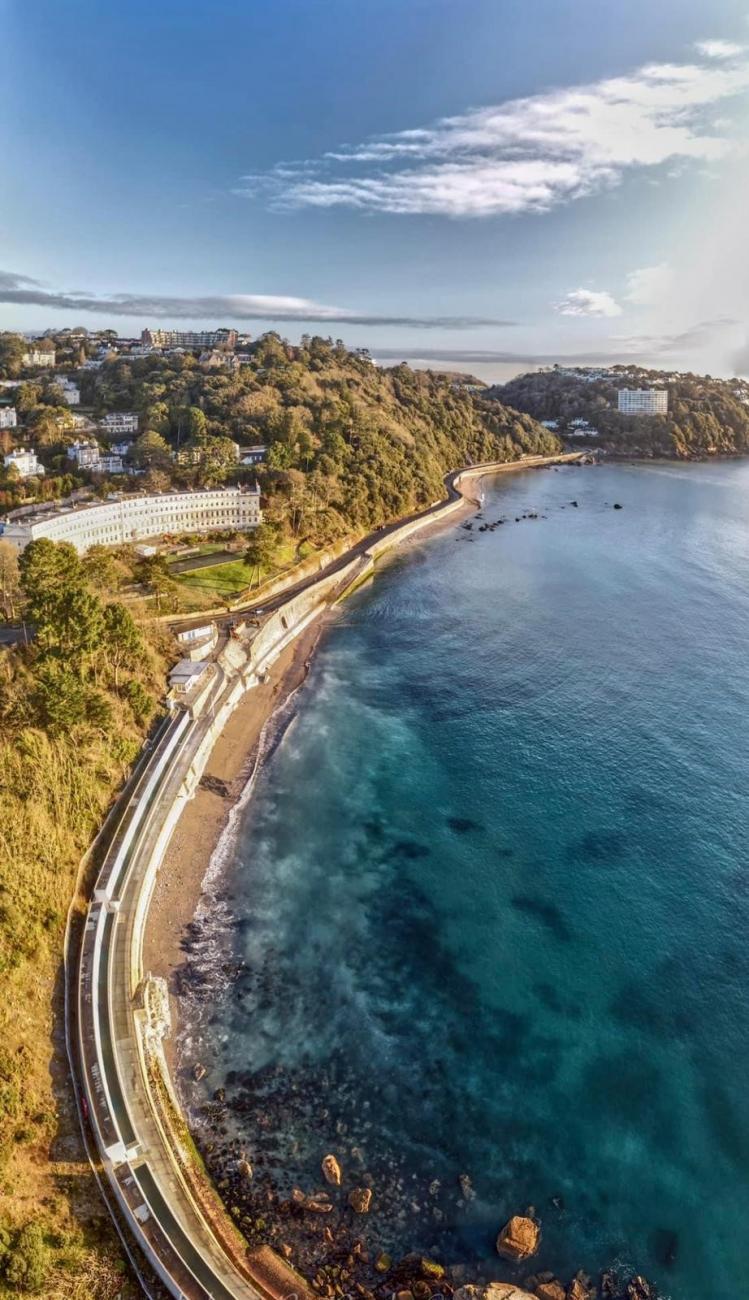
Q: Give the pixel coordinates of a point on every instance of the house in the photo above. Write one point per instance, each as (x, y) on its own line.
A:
(121, 448)
(71, 392)
(187, 674)
(24, 462)
(117, 422)
(8, 417)
(84, 452)
(39, 357)
(252, 455)
(197, 642)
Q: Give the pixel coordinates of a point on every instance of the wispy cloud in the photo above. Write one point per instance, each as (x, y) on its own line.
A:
(588, 302)
(23, 291)
(524, 155)
(718, 49)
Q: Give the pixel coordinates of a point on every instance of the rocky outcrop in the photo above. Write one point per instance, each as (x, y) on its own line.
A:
(519, 1238)
(494, 1291)
(331, 1171)
(551, 1290)
(360, 1199)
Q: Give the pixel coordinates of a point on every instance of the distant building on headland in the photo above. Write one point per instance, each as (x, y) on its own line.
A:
(39, 357)
(23, 462)
(125, 519)
(189, 338)
(643, 401)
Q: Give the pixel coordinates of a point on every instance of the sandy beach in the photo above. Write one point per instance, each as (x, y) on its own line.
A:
(180, 880)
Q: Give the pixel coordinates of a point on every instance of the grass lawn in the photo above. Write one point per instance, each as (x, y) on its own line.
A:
(226, 581)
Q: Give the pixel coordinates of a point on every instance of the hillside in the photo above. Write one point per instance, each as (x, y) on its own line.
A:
(706, 416)
(349, 446)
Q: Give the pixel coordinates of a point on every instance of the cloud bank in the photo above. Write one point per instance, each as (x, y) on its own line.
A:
(526, 155)
(23, 291)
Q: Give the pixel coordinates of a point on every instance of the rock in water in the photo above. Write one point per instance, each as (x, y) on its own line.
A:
(198, 1071)
(244, 1167)
(466, 1187)
(519, 1238)
(331, 1171)
(494, 1291)
(552, 1290)
(360, 1199)
(579, 1288)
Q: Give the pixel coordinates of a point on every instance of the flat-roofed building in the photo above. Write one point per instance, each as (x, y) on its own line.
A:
(643, 401)
(125, 519)
(119, 422)
(8, 417)
(189, 338)
(39, 357)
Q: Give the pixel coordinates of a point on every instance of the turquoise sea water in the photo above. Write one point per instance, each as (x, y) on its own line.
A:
(487, 910)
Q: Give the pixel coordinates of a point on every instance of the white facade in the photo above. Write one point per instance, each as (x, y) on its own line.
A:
(8, 417)
(25, 462)
(121, 448)
(71, 391)
(127, 519)
(643, 401)
(119, 422)
(85, 454)
(37, 357)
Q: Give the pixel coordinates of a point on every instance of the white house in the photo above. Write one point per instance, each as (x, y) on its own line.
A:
(85, 453)
(117, 422)
(253, 455)
(71, 392)
(8, 417)
(24, 462)
(39, 357)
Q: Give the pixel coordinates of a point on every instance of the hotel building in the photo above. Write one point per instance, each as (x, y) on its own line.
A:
(643, 401)
(189, 338)
(130, 519)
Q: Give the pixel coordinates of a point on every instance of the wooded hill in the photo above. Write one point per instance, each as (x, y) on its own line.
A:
(706, 416)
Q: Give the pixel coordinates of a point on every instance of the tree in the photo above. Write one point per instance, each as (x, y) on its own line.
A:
(122, 644)
(26, 1263)
(261, 549)
(12, 348)
(10, 580)
(151, 449)
(47, 570)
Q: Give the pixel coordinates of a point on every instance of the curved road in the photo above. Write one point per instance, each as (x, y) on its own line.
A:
(105, 1021)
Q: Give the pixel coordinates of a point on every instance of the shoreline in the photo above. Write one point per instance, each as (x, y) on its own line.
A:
(182, 879)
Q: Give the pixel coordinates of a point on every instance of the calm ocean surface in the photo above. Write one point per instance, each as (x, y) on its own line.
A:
(487, 911)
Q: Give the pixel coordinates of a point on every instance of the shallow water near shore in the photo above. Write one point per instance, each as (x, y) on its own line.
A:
(486, 910)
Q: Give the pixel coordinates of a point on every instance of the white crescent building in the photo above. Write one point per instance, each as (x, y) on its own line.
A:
(124, 519)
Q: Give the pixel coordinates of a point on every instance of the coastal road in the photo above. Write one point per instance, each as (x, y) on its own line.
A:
(452, 493)
(195, 1258)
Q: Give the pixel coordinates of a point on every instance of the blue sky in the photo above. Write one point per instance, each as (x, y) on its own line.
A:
(485, 184)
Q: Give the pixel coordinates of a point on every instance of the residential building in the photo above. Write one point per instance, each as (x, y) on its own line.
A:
(117, 422)
(71, 391)
(189, 338)
(87, 454)
(8, 417)
(643, 401)
(123, 519)
(39, 357)
(253, 455)
(121, 448)
(214, 359)
(24, 462)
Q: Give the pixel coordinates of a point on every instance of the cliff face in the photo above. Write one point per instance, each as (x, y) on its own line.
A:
(706, 416)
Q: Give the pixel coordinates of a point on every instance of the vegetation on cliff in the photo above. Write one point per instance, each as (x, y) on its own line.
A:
(706, 416)
(74, 708)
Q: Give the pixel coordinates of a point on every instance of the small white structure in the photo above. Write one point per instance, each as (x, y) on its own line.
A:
(187, 674)
(70, 391)
(121, 448)
(197, 642)
(253, 455)
(118, 422)
(39, 357)
(8, 417)
(643, 401)
(108, 464)
(24, 462)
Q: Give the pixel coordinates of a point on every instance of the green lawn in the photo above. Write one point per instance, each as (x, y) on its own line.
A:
(226, 581)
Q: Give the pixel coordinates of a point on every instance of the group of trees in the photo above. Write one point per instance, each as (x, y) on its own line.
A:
(706, 416)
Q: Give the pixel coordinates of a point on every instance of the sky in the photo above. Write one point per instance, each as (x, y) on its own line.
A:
(480, 185)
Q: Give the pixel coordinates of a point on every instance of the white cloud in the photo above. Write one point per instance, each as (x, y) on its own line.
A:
(718, 49)
(588, 302)
(647, 285)
(525, 155)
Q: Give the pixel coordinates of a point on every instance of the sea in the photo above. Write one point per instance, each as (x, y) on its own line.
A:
(479, 928)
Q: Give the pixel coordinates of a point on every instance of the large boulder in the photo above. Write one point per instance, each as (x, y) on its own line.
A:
(519, 1238)
(552, 1290)
(494, 1291)
(360, 1199)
